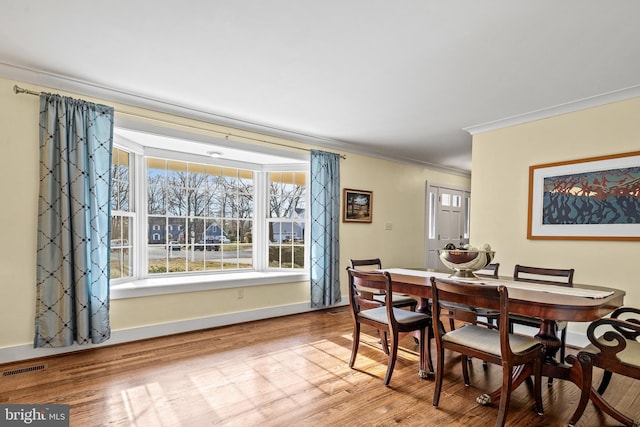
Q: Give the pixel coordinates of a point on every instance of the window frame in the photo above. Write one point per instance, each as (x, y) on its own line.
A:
(143, 284)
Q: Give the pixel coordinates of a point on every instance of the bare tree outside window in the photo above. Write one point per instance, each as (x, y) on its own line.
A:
(286, 221)
(121, 215)
(215, 207)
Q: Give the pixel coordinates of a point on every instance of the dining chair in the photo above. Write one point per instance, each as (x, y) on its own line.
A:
(489, 271)
(615, 349)
(386, 317)
(496, 346)
(546, 276)
(471, 314)
(399, 300)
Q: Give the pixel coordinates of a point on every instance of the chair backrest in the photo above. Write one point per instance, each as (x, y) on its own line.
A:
(366, 264)
(549, 276)
(490, 297)
(490, 270)
(360, 285)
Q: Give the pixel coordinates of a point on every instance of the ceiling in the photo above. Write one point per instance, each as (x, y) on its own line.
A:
(404, 80)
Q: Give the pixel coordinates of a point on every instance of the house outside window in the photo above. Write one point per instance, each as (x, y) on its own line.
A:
(286, 220)
(198, 215)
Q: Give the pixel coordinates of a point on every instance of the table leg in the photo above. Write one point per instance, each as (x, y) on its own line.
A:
(548, 335)
(425, 307)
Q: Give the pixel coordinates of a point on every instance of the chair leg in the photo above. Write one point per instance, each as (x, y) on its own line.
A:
(563, 343)
(427, 343)
(604, 383)
(586, 371)
(537, 379)
(505, 395)
(465, 370)
(384, 342)
(439, 376)
(393, 353)
(355, 343)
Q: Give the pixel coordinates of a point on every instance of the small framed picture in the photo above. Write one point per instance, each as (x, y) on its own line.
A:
(357, 205)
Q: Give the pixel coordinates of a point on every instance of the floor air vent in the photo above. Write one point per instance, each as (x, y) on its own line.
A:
(24, 370)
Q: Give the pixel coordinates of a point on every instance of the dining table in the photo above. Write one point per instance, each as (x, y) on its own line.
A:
(549, 303)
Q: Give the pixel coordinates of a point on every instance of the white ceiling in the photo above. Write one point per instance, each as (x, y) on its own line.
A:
(400, 79)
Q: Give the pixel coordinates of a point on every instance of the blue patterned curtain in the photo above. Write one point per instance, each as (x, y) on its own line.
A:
(325, 222)
(72, 296)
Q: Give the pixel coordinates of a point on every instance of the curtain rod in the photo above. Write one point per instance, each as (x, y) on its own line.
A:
(18, 90)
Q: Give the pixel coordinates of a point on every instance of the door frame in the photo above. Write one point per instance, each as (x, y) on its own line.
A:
(430, 242)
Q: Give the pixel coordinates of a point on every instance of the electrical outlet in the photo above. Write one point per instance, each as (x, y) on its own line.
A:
(240, 293)
(388, 226)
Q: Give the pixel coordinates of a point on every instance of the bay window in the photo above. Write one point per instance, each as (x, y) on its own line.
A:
(184, 214)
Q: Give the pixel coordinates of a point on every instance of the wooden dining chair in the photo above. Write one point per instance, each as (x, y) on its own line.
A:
(614, 347)
(399, 300)
(546, 276)
(496, 346)
(490, 271)
(386, 317)
(471, 314)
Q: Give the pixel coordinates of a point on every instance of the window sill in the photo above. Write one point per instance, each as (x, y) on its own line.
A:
(181, 284)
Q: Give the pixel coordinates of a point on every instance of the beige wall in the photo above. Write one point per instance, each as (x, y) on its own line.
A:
(499, 186)
(398, 199)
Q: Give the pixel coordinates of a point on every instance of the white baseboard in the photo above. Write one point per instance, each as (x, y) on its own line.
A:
(26, 351)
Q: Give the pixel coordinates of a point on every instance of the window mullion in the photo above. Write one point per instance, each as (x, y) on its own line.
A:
(260, 245)
(141, 232)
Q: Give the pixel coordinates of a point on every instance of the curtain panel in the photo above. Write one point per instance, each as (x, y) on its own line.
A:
(325, 224)
(72, 290)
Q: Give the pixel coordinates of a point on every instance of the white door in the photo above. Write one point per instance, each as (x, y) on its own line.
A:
(447, 220)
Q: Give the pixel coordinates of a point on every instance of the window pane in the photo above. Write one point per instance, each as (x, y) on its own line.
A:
(122, 215)
(200, 226)
(286, 219)
(120, 184)
(432, 215)
(120, 245)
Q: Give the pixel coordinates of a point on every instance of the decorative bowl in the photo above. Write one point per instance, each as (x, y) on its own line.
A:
(465, 261)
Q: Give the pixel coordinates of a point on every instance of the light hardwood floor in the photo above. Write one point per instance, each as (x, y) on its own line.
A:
(289, 371)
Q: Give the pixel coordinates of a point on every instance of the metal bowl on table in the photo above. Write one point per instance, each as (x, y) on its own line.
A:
(465, 261)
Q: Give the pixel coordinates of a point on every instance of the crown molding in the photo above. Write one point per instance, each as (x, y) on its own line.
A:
(67, 84)
(569, 107)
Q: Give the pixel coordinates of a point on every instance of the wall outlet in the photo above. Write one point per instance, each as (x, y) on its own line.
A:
(388, 226)
(240, 293)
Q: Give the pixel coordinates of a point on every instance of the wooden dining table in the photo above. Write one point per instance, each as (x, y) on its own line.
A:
(530, 301)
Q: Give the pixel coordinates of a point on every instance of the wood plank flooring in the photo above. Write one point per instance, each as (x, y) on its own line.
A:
(288, 371)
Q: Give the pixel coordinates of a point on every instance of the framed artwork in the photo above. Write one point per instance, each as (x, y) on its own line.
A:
(357, 205)
(597, 198)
